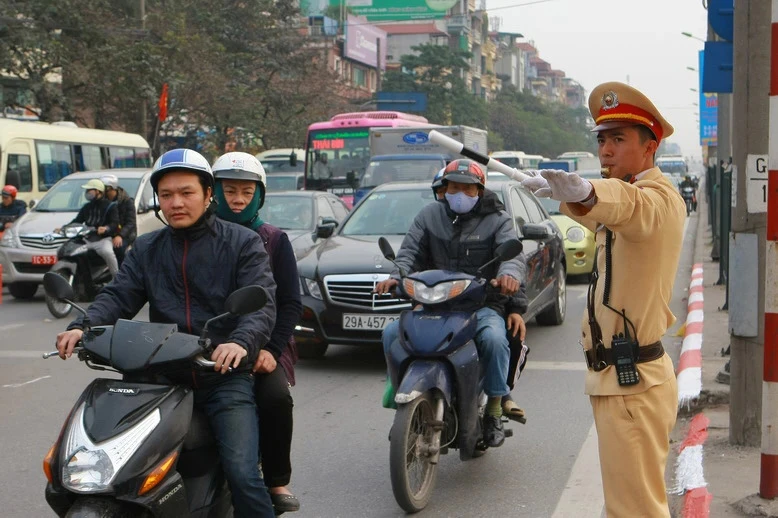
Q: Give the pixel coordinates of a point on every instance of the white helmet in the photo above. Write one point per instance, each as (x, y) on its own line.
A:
(110, 180)
(238, 165)
(181, 159)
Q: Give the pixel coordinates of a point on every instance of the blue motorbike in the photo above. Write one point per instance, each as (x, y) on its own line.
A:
(434, 365)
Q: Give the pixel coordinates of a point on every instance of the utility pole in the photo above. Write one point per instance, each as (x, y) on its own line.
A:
(749, 136)
(378, 65)
(143, 107)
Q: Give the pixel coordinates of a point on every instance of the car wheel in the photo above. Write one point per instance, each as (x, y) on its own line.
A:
(23, 290)
(554, 315)
(311, 351)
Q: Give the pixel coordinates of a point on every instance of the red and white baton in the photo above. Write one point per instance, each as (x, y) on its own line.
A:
(459, 148)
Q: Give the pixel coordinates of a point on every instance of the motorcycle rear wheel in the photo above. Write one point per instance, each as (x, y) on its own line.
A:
(413, 475)
(56, 308)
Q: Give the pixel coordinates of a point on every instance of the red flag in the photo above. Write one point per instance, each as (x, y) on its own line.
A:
(163, 104)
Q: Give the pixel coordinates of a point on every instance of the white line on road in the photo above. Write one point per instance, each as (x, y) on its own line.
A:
(17, 385)
(8, 327)
(582, 496)
(555, 366)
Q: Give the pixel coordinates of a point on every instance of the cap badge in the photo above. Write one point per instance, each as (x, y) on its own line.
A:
(609, 100)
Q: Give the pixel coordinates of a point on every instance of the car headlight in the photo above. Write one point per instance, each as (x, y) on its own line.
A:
(90, 468)
(9, 239)
(575, 234)
(442, 292)
(313, 288)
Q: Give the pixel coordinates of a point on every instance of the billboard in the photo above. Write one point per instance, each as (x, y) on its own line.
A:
(397, 10)
(709, 112)
(362, 42)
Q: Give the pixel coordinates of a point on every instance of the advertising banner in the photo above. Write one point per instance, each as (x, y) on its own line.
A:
(362, 42)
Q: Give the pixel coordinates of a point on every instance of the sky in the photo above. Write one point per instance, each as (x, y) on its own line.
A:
(632, 41)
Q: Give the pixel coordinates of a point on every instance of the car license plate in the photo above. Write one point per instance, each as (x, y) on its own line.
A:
(44, 259)
(367, 322)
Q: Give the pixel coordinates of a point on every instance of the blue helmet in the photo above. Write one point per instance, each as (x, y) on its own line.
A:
(181, 159)
(437, 181)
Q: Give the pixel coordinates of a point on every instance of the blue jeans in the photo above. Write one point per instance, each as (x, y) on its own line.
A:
(229, 405)
(491, 340)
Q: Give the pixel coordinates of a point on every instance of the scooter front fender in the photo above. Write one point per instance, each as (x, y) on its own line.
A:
(422, 376)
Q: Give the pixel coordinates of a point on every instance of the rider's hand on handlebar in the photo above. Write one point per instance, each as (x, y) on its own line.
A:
(385, 286)
(228, 355)
(516, 325)
(102, 230)
(265, 363)
(507, 284)
(67, 340)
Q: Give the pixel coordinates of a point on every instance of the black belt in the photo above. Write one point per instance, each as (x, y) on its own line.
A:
(647, 353)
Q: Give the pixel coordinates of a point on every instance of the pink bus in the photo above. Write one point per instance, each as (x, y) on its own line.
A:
(337, 151)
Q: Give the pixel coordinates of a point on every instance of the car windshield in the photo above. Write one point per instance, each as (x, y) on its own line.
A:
(551, 206)
(288, 212)
(68, 195)
(281, 165)
(386, 213)
(283, 182)
(379, 172)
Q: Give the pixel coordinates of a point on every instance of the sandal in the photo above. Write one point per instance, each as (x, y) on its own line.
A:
(512, 411)
(285, 503)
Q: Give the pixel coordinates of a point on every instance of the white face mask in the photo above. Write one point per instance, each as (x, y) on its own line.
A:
(461, 203)
(89, 195)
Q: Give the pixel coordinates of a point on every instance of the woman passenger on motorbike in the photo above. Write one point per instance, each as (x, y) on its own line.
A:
(240, 193)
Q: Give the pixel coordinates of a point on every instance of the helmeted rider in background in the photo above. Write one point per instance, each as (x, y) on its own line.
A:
(10, 207)
(240, 193)
(127, 230)
(689, 182)
(460, 234)
(186, 271)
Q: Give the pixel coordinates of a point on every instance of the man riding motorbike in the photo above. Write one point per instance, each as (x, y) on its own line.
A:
(460, 234)
(240, 193)
(688, 182)
(98, 212)
(10, 207)
(185, 272)
(125, 234)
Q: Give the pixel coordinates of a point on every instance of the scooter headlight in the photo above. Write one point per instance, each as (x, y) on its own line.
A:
(90, 468)
(72, 232)
(441, 292)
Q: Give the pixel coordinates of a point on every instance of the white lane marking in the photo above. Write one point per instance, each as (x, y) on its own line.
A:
(22, 354)
(582, 496)
(8, 327)
(555, 366)
(583, 294)
(17, 385)
(685, 226)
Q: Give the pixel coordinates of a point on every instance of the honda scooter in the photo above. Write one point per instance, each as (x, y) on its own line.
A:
(434, 365)
(134, 447)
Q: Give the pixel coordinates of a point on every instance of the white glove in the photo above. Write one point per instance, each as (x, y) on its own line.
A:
(566, 187)
(538, 186)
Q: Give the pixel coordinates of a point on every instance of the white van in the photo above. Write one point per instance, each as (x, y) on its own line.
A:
(517, 159)
(35, 155)
(280, 160)
(29, 248)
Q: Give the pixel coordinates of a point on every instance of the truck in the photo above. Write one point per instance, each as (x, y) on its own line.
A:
(564, 165)
(407, 154)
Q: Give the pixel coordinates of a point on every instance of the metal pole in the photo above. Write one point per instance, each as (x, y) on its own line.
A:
(378, 65)
(143, 107)
(768, 474)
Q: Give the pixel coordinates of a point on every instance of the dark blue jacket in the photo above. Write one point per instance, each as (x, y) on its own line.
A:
(186, 276)
(14, 210)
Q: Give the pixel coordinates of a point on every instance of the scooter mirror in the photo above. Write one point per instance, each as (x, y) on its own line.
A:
(246, 300)
(57, 287)
(509, 250)
(386, 248)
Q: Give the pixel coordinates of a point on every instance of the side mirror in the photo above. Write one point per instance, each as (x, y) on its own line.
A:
(326, 228)
(535, 231)
(32, 203)
(57, 287)
(246, 300)
(148, 205)
(386, 248)
(508, 250)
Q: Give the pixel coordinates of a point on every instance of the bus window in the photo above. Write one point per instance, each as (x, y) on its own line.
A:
(55, 161)
(19, 172)
(88, 157)
(121, 157)
(142, 157)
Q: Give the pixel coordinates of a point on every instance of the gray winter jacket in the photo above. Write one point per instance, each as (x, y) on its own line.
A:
(440, 239)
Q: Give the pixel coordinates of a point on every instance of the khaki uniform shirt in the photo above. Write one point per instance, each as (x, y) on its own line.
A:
(647, 220)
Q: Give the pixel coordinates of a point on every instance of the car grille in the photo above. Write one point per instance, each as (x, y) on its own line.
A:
(32, 268)
(357, 291)
(43, 242)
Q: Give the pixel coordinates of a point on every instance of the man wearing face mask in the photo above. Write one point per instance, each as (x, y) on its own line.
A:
(100, 213)
(461, 233)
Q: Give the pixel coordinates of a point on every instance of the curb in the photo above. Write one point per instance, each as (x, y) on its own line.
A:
(689, 371)
(690, 481)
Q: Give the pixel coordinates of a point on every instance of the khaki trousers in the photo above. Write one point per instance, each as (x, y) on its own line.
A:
(634, 439)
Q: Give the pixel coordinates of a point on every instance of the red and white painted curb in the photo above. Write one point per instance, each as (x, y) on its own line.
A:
(689, 479)
(689, 372)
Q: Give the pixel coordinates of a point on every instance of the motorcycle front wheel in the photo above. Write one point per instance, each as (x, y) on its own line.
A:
(57, 308)
(412, 472)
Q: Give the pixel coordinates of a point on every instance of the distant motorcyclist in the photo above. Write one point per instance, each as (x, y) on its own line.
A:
(100, 213)
(10, 207)
(689, 182)
(438, 189)
(126, 232)
(460, 234)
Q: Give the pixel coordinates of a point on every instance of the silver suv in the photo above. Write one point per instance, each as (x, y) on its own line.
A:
(29, 248)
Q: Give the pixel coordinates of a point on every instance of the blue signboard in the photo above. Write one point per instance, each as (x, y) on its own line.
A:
(717, 74)
(721, 17)
(402, 101)
(709, 112)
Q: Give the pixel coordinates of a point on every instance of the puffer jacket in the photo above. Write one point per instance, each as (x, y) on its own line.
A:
(99, 212)
(186, 276)
(441, 239)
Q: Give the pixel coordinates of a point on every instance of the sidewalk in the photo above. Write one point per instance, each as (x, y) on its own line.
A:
(731, 472)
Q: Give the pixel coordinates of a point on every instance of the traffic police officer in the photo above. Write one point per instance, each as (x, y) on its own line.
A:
(634, 395)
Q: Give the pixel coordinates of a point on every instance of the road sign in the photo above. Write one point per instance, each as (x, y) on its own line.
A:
(402, 101)
(756, 184)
